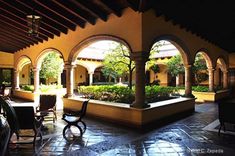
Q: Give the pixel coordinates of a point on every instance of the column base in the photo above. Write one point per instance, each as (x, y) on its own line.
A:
(188, 95)
(68, 95)
(140, 105)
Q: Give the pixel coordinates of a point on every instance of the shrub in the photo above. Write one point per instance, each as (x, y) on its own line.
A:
(159, 93)
(112, 93)
(28, 88)
(123, 94)
(43, 88)
(200, 88)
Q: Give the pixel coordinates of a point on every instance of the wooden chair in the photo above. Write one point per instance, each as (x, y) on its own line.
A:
(47, 103)
(74, 118)
(20, 118)
(4, 135)
(226, 109)
(2, 90)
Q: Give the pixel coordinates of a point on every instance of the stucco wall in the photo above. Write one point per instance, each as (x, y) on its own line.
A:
(80, 75)
(6, 60)
(24, 75)
(127, 27)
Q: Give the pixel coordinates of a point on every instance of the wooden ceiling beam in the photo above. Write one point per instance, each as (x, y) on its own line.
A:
(85, 4)
(13, 40)
(55, 16)
(16, 37)
(10, 43)
(111, 7)
(18, 26)
(62, 12)
(57, 27)
(76, 11)
(22, 12)
(17, 20)
(18, 31)
(45, 17)
(132, 4)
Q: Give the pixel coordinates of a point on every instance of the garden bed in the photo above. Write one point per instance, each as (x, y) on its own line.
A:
(26, 95)
(124, 114)
(208, 96)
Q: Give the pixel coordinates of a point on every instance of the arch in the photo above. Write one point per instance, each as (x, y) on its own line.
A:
(83, 65)
(22, 61)
(178, 43)
(101, 65)
(43, 54)
(221, 61)
(205, 55)
(88, 41)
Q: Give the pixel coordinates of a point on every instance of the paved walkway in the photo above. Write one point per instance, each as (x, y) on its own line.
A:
(182, 137)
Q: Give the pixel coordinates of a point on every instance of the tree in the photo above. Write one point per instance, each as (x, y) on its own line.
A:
(175, 65)
(51, 66)
(117, 63)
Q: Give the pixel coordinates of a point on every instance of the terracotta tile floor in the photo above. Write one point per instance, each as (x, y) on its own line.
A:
(182, 137)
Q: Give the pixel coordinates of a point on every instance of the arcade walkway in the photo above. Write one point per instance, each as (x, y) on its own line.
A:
(182, 137)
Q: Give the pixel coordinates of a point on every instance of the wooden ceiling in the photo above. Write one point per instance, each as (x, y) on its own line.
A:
(213, 21)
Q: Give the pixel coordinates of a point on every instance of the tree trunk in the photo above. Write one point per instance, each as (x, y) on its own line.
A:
(130, 78)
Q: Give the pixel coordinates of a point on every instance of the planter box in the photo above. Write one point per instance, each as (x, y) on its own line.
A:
(124, 114)
(27, 95)
(208, 96)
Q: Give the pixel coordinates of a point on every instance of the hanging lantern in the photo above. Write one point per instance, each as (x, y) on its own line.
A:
(33, 24)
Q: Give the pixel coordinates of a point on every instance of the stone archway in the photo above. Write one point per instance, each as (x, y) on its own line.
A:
(221, 73)
(24, 77)
(185, 55)
(38, 63)
(85, 43)
(210, 67)
(78, 48)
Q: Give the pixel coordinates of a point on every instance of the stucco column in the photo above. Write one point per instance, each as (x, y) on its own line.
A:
(91, 78)
(69, 79)
(211, 79)
(217, 77)
(140, 59)
(225, 79)
(188, 81)
(179, 80)
(36, 79)
(16, 79)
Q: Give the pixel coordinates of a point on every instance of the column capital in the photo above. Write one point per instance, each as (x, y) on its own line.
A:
(187, 66)
(69, 66)
(36, 69)
(16, 71)
(139, 56)
(211, 69)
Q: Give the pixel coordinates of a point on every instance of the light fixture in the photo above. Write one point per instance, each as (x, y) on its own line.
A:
(33, 24)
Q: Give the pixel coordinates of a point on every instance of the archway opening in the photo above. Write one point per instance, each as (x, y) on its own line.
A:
(220, 76)
(166, 71)
(50, 65)
(106, 62)
(166, 65)
(200, 70)
(106, 71)
(24, 73)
